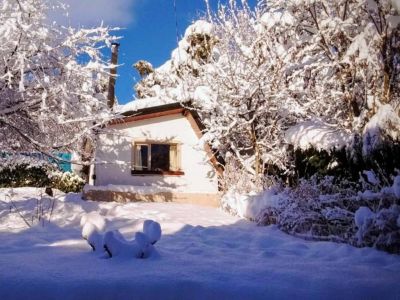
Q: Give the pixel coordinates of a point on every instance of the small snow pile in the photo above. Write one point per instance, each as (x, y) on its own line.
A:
(363, 218)
(396, 186)
(371, 177)
(385, 123)
(114, 243)
(93, 226)
(318, 135)
(250, 205)
(152, 230)
(379, 229)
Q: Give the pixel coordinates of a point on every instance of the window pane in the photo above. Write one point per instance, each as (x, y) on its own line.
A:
(141, 157)
(144, 150)
(160, 157)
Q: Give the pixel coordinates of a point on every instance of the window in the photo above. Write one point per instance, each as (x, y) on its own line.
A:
(156, 158)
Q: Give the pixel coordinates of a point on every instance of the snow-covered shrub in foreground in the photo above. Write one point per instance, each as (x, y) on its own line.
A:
(113, 243)
(322, 209)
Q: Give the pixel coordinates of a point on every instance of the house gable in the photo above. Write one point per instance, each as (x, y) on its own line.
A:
(168, 110)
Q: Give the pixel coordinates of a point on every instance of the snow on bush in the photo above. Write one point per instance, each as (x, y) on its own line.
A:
(261, 77)
(28, 170)
(250, 205)
(66, 181)
(52, 87)
(113, 243)
(325, 209)
(396, 186)
(318, 135)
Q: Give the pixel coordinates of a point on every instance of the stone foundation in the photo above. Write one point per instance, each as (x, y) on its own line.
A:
(123, 197)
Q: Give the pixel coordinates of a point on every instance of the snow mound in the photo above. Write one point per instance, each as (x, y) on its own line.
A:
(385, 122)
(94, 218)
(396, 186)
(93, 236)
(152, 230)
(116, 245)
(371, 177)
(362, 215)
(251, 205)
(146, 247)
(317, 134)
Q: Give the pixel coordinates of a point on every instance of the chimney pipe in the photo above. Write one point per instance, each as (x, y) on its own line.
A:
(113, 75)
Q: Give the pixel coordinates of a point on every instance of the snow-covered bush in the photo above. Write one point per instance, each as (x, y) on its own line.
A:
(66, 181)
(378, 229)
(28, 170)
(24, 171)
(323, 209)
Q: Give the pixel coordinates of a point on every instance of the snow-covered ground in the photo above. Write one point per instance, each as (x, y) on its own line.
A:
(203, 253)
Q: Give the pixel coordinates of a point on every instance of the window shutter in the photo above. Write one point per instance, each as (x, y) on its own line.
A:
(133, 156)
(178, 157)
(173, 158)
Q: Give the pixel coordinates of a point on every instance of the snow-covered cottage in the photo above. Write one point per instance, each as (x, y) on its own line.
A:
(153, 153)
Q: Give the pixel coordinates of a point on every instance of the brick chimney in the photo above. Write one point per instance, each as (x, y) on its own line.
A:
(113, 75)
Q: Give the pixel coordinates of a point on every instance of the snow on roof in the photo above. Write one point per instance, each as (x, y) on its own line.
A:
(317, 134)
(138, 104)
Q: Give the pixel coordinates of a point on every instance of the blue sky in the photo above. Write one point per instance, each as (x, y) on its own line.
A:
(151, 36)
(149, 30)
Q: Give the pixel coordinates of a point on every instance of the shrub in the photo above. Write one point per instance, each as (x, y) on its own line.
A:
(67, 182)
(24, 171)
(324, 209)
(28, 171)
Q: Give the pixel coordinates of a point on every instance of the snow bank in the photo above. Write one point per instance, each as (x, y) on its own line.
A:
(251, 205)
(204, 254)
(317, 134)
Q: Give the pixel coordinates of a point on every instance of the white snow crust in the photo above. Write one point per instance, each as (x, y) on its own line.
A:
(144, 103)
(204, 254)
(318, 135)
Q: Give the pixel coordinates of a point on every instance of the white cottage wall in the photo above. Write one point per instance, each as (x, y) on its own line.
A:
(114, 156)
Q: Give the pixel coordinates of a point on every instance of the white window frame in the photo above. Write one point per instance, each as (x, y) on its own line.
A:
(148, 143)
